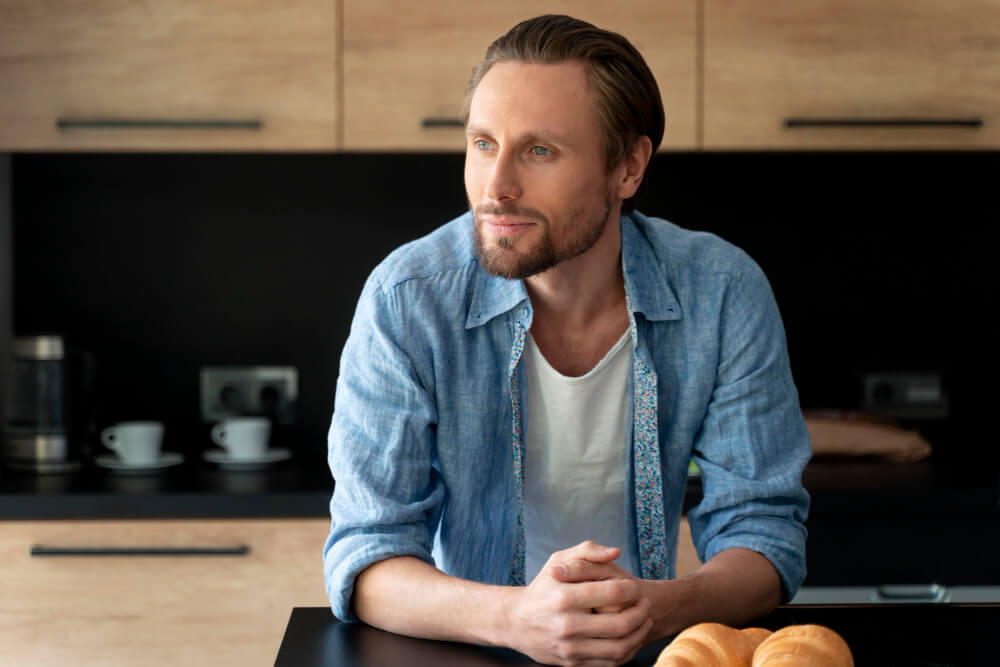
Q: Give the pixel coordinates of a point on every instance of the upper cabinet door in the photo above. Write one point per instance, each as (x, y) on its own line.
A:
(852, 74)
(406, 64)
(177, 75)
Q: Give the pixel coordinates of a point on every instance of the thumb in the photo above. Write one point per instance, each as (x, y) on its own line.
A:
(598, 553)
(584, 551)
(577, 570)
(590, 550)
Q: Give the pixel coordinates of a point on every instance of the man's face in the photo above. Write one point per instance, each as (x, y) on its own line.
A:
(534, 168)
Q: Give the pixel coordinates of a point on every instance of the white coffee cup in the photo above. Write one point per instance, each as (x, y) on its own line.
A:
(135, 442)
(244, 438)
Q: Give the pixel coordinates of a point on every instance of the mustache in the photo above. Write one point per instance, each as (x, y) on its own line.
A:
(509, 209)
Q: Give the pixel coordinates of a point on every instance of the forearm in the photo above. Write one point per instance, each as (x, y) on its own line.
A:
(410, 597)
(551, 619)
(733, 587)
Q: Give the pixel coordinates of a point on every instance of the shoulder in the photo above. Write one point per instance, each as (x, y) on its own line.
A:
(686, 254)
(448, 249)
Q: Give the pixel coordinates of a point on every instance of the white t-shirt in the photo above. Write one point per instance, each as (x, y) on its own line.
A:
(575, 452)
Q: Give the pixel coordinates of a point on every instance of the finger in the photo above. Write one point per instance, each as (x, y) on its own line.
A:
(576, 570)
(616, 650)
(581, 626)
(600, 594)
(637, 639)
(612, 625)
(587, 550)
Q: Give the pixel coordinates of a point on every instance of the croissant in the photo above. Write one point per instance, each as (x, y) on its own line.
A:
(712, 645)
(812, 645)
(756, 635)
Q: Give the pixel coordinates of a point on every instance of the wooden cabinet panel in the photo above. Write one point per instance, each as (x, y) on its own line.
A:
(406, 62)
(273, 63)
(765, 62)
(156, 610)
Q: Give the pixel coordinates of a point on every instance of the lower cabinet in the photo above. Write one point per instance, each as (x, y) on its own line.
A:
(164, 592)
(872, 557)
(158, 592)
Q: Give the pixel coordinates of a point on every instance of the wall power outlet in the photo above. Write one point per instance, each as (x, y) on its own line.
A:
(906, 395)
(238, 391)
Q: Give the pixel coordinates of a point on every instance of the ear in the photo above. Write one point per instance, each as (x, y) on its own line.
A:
(629, 174)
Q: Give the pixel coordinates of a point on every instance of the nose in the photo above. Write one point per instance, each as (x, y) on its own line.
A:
(503, 183)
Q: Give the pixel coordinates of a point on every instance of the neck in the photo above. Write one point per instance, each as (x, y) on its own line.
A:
(575, 293)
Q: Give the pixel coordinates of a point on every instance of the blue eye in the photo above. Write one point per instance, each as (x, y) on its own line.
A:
(540, 150)
(483, 145)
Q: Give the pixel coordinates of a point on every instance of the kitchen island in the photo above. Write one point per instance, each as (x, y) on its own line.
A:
(879, 635)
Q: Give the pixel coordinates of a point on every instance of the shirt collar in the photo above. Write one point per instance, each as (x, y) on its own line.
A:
(646, 286)
(492, 296)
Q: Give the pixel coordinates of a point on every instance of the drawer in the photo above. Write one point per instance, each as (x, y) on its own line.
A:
(406, 64)
(219, 593)
(912, 594)
(122, 75)
(887, 549)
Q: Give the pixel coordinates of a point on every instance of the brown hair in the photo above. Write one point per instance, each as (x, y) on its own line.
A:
(626, 97)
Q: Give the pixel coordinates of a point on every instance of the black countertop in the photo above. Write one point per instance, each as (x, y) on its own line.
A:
(302, 486)
(879, 635)
(297, 487)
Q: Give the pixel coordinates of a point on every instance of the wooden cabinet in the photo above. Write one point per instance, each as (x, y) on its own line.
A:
(851, 74)
(180, 75)
(733, 74)
(156, 610)
(406, 64)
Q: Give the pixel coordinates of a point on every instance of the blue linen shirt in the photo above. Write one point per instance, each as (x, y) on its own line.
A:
(425, 442)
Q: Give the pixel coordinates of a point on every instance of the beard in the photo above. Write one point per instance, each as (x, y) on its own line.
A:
(583, 228)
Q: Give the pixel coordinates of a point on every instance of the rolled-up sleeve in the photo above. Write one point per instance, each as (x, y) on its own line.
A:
(753, 444)
(387, 492)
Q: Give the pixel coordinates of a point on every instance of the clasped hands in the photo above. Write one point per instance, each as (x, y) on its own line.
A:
(581, 610)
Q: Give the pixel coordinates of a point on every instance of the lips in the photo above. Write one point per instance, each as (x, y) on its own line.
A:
(506, 226)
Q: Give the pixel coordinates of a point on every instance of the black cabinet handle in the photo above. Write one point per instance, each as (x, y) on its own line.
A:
(157, 124)
(441, 122)
(915, 593)
(39, 550)
(797, 122)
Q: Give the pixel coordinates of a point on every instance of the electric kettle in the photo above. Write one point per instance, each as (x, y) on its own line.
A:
(49, 387)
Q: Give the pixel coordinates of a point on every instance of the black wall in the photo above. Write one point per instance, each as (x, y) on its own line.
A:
(161, 264)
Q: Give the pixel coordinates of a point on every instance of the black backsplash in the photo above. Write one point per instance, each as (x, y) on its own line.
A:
(161, 264)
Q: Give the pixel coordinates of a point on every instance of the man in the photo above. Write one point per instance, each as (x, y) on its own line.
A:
(522, 389)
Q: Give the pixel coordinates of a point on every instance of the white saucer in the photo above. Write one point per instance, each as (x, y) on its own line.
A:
(112, 462)
(227, 462)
